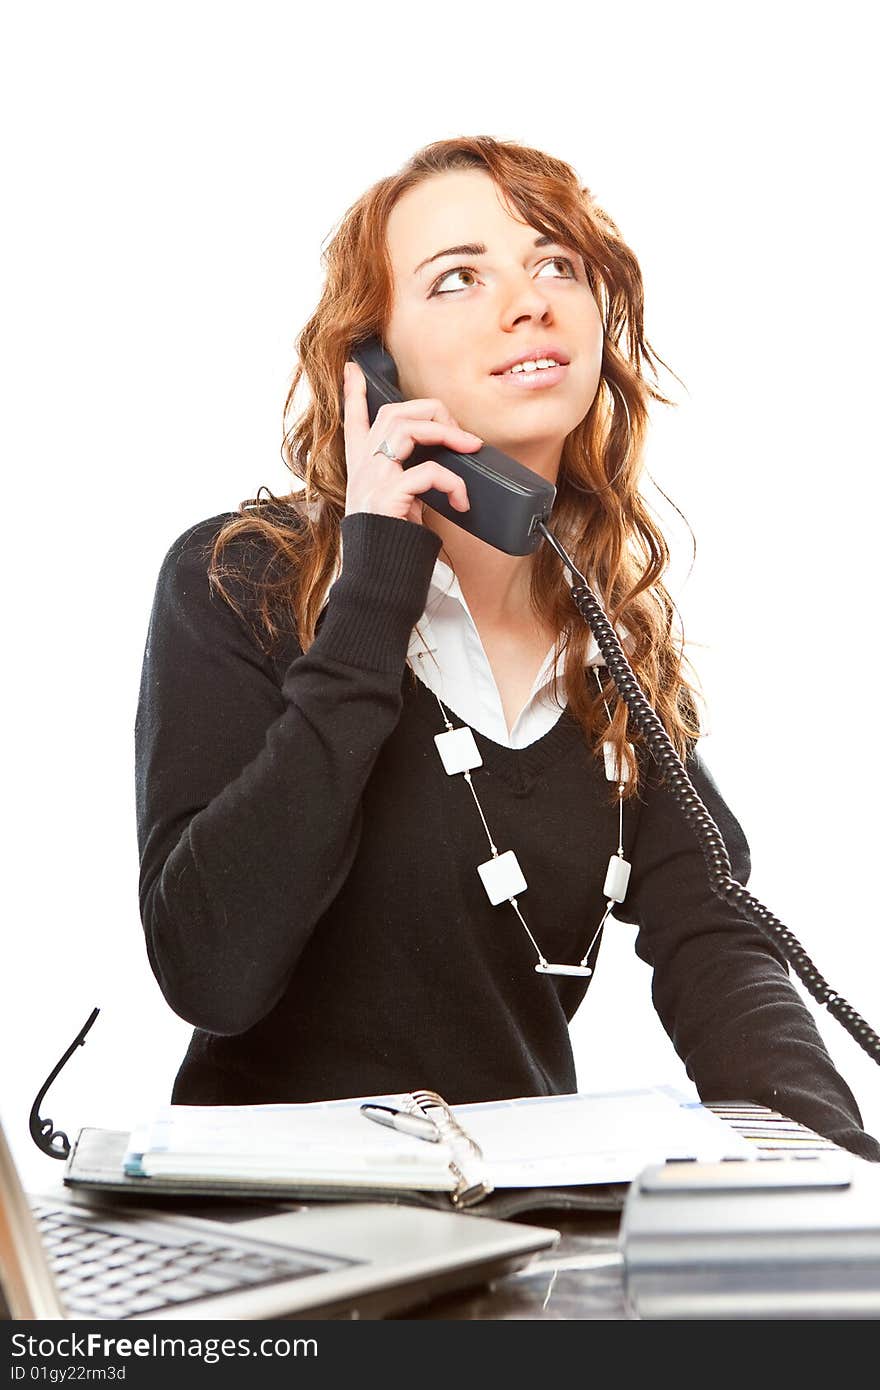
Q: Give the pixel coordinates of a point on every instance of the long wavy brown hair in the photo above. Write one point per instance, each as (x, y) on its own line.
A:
(599, 515)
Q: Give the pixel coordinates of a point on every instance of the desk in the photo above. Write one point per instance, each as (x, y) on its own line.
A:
(582, 1278)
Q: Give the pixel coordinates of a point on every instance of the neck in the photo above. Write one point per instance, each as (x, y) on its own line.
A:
(496, 586)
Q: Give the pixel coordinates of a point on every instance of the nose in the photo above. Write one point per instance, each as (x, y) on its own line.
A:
(525, 300)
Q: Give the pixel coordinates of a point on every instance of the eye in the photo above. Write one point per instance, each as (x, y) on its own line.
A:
(469, 270)
(563, 260)
(459, 270)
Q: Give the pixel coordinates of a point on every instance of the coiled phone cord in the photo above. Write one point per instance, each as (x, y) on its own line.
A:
(711, 842)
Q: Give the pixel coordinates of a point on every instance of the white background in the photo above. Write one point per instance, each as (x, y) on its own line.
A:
(171, 174)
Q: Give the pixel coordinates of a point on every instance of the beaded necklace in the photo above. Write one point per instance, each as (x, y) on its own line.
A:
(501, 875)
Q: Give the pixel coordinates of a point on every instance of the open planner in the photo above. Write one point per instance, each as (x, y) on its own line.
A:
(500, 1157)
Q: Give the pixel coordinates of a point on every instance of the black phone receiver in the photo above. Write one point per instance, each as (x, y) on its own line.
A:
(507, 499)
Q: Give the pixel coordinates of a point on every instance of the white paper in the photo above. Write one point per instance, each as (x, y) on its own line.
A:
(557, 1141)
(533, 1141)
(325, 1143)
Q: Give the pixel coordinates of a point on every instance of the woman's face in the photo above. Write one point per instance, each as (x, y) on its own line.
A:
(462, 316)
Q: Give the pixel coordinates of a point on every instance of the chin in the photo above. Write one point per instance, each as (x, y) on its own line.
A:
(526, 444)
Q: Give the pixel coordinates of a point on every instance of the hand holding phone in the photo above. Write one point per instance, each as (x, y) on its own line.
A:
(378, 484)
(508, 502)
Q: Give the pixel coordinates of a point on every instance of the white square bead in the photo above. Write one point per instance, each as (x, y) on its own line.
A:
(458, 750)
(502, 877)
(617, 878)
(610, 753)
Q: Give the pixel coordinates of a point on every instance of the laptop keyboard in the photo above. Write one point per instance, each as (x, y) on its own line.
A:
(105, 1274)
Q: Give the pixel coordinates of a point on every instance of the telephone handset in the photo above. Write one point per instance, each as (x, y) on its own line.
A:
(508, 500)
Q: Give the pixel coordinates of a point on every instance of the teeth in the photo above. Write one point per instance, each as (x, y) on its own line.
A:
(534, 366)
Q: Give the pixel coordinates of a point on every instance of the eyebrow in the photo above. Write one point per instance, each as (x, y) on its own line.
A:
(476, 249)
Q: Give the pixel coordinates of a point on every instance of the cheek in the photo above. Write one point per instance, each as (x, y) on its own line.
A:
(594, 341)
(431, 358)
(594, 325)
(447, 374)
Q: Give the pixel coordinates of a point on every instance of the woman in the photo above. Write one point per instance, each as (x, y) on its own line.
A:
(319, 893)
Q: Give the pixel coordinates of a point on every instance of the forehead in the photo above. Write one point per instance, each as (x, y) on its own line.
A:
(445, 209)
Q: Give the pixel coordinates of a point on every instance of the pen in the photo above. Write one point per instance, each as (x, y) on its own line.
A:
(419, 1126)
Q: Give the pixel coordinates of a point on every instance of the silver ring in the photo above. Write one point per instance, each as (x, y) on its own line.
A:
(384, 449)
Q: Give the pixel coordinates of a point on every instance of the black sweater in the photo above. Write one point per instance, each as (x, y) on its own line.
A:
(308, 884)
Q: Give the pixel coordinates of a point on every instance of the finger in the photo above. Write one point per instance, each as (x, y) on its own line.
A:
(419, 407)
(402, 437)
(356, 415)
(356, 411)
(432, 474)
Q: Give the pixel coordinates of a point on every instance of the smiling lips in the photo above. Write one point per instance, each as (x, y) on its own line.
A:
(531, 378)
(524, 372)
(539, 353)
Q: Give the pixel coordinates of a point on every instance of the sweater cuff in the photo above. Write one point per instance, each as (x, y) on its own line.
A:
(387, 563)
(857, 1142)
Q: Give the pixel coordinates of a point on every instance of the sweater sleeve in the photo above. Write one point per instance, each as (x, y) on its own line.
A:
(248, 795)
(720, 986)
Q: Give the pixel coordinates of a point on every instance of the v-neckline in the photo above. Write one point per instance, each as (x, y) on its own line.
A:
(516, 765)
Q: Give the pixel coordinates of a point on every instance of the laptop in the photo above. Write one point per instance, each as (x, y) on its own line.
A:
(74, 1257)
